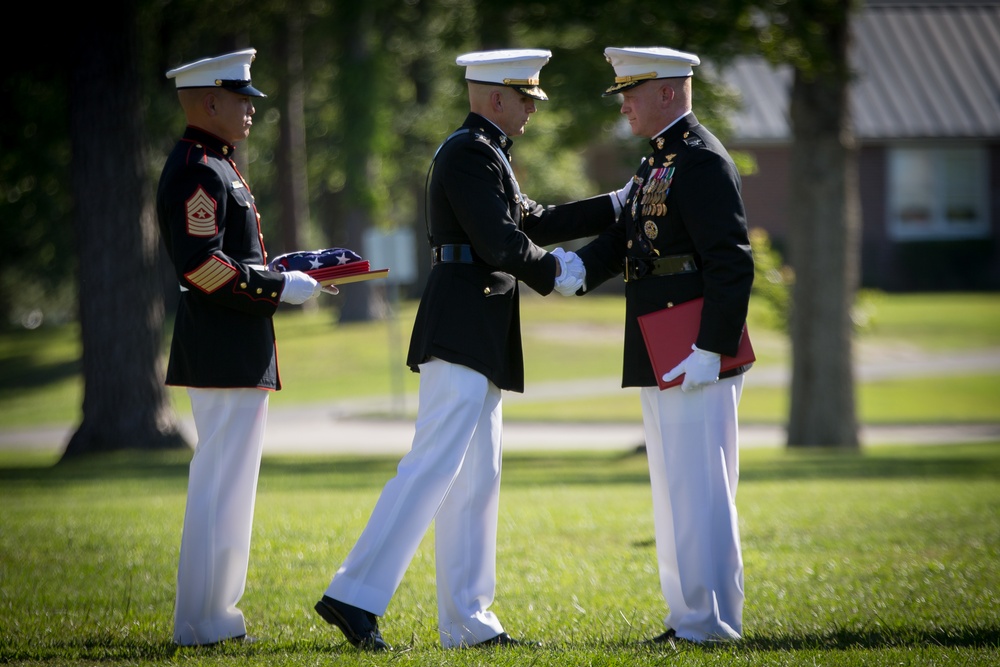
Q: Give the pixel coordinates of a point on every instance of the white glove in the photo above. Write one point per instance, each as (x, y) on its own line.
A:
(618, 197)
(572, 272)
(299, 287)
(700, 368)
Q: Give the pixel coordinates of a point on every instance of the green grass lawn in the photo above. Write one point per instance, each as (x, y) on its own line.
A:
(887, 557)
(564, 340)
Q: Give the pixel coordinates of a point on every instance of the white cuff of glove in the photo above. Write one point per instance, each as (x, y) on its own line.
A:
(299, 287)
(618, 197)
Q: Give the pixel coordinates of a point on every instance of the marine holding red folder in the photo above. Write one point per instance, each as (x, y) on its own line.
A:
(681, 241)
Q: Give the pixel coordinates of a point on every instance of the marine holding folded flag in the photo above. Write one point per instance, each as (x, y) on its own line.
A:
(683, 235)
(466, 344)
(223, 347)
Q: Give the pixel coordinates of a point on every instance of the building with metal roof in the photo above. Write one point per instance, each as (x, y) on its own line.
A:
(925, 107)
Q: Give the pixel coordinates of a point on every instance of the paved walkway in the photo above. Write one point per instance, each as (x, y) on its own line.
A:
(348, 427)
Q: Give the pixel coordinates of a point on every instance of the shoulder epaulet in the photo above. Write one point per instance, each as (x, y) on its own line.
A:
(457, 133)
(692, 140)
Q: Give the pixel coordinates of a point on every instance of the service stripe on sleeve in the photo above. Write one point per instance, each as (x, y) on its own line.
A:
(200, 209)
(211, 275)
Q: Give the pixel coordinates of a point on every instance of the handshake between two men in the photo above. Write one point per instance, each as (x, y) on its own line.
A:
(571, 274)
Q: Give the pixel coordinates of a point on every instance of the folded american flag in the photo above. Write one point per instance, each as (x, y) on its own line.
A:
(335, 260)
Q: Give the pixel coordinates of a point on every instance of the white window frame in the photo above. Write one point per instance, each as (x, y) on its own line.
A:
(928, 180)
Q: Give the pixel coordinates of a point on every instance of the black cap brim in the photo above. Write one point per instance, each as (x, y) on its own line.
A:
(242, 88)
(249, 90)
(621, 87)
(532, 91)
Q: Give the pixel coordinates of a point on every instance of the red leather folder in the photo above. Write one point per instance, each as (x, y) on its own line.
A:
(670, 333)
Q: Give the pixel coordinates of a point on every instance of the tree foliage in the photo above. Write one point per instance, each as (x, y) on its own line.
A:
(379, 91)
(371, 123)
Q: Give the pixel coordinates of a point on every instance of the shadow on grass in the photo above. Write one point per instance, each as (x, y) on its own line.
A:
(977, 461)
(880, 638)
(108, 649)
(137, 466)
(20, 374)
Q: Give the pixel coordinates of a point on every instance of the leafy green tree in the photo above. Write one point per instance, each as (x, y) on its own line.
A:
(376, 92)
(37, 272)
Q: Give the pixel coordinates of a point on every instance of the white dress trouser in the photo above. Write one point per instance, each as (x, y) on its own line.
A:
(451, 476)
(222, 487)
(692, 445)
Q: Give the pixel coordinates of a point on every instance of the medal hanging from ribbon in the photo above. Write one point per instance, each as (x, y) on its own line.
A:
(654, 196)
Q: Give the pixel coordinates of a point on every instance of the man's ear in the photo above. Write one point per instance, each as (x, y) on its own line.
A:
(208, 103)
(496, 100)
(667, 94)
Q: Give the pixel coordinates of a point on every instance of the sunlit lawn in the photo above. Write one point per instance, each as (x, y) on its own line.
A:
(891, 557)
(564, 340)
(887, 557)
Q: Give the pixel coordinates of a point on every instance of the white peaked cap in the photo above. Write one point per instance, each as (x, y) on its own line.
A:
(633, 65)
(230, 71)
(516, 68)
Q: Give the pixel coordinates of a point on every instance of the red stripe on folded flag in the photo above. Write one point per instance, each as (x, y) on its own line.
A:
(349, 269)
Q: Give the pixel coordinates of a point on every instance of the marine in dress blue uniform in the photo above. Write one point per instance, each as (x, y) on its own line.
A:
(682, 234)
(223, 346)
(485, 236)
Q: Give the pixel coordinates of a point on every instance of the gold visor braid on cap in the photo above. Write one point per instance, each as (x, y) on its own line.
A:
(521, 82)
(635, 77)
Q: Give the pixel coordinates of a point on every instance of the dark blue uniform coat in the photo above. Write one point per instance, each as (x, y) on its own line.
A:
(684, 200)
(223, 333)
(469, 312)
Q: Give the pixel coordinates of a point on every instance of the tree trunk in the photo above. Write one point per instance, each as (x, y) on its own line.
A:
(824, 254)
(293, 181)
(359, 72)
(125, 405)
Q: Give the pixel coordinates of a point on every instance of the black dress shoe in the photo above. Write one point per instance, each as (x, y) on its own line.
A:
(669, 637)
(240, 639)
(359, 626)
(504, 640)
